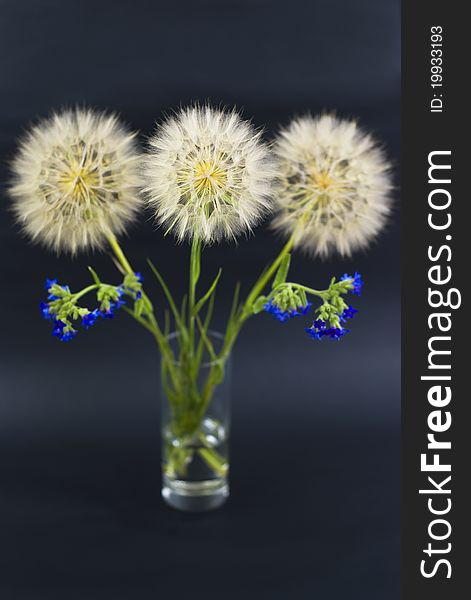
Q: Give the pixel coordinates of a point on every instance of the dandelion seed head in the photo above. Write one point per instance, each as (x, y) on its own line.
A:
(333, 186)
(207, 175)
(76, 180)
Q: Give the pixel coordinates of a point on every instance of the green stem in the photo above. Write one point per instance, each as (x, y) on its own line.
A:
(236, 321)
(216, 462)
(265, 278)
(123, 261)
(195, 268)
(308, 290)
(86, 290)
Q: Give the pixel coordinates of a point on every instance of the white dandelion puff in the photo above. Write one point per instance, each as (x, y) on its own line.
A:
(333, 186)
(208, 175)
(76, 180)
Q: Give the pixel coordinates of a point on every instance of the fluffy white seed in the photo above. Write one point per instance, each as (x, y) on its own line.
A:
(76, 180)
(333, 186)
(208, 175)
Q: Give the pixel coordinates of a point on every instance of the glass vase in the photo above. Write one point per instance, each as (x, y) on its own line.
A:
(195, 428)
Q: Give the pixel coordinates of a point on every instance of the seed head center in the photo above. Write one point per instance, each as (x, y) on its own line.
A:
(322, 179)
(208, 177)
(78, 181)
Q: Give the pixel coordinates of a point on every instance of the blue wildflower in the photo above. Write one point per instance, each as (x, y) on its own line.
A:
(90, 319)
(50, 283)
(356, 282)
(348, 313)
(109, 312)
(319, 329)
(113, 307)
(45, 311)
(58, 327)
(58, 331)
(284, 315)
(68, 335)
(139, 277)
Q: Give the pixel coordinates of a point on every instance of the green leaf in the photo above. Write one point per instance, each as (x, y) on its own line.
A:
(199, 305)
(206, 340)
(169, 297)
(282, 272)
(235, 302)
(207, 321)
(259, 304)
(95, 277)
(183, 308)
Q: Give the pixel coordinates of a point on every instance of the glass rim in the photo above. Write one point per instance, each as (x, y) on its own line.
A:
(211, 333)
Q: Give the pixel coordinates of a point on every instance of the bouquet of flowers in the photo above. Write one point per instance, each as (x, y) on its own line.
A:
(206, 175)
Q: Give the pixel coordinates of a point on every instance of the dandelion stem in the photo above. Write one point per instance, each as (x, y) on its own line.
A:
(123, 261)
(195, 268)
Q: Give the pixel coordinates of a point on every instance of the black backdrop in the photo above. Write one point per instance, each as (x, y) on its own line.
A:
(315, 446)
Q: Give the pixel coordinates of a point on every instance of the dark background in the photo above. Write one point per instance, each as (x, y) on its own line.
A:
(314, 507)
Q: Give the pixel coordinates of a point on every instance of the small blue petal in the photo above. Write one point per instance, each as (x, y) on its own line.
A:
(319, 329)
(50, 283)
(316, 335)
(68, 335)
(58, 327)
(90, 319)
(44, 308)
(58, 331)
(271, 308)
(348, 313)
(114, 306)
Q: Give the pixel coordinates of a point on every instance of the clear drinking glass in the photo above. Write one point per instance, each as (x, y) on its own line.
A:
(195, 430)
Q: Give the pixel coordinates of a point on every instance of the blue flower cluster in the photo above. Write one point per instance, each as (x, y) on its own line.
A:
(284, 315)
(62, 331)
(320, 329)
(61, 309)
(109, 308)
(65, 332)
(289, 300)
(90, 319)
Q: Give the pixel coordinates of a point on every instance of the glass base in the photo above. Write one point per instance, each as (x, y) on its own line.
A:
(195, 496)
